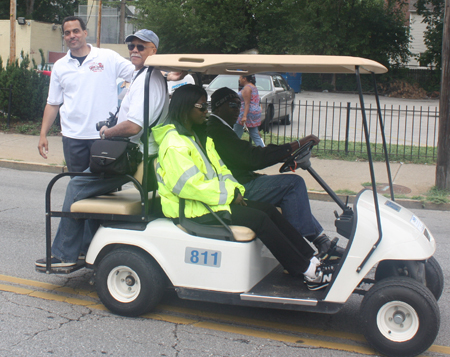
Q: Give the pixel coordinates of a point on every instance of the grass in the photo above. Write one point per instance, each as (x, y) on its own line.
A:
(334, 150)
(437, 196)
(26, 127)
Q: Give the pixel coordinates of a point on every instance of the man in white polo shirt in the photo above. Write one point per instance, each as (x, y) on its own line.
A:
(84, 82)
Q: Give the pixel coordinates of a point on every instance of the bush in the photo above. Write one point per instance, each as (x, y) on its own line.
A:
(29, 89)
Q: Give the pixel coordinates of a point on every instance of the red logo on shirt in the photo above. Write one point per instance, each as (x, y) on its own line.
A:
(96, 67)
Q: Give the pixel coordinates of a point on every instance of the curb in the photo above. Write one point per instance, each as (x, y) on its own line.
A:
(32, 166)
(313, 195)
(404, 202)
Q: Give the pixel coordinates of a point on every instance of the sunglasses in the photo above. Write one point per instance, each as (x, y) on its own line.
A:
(234, 105)
(202, 107)
(140, 48)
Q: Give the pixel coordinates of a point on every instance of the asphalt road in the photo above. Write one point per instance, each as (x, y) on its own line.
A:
(43, 315)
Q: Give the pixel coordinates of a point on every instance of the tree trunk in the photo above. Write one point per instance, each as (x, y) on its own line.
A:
(443, 157)
(29, 8)
(122, 21)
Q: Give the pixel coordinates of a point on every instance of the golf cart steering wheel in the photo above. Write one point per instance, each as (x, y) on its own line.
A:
(299, 158)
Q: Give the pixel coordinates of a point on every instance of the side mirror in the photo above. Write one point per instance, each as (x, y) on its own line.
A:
(205, 85)
(279, 89)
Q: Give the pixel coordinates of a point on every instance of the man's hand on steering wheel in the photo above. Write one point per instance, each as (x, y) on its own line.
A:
(309, 138)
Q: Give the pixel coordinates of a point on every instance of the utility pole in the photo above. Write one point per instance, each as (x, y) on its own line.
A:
(122, 21)
(99, 23)
(443, 156)
(12, 22)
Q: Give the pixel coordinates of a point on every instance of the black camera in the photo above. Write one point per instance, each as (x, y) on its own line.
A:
(110, 122)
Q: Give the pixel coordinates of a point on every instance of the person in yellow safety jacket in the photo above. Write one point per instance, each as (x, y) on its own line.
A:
(189, 167)
(192, 173)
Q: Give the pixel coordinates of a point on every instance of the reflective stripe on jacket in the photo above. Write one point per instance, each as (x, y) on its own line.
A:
(184, 171)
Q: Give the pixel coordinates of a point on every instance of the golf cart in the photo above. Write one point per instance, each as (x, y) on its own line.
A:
(137, 253)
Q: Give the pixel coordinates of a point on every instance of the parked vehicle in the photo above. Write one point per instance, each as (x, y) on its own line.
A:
(135, 257)
(277, 98)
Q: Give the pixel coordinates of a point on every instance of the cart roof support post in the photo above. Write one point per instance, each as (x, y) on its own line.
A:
(372, 172)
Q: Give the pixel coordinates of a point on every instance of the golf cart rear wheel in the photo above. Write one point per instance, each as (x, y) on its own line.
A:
(129, 282)
(433, 273)
(400, 317)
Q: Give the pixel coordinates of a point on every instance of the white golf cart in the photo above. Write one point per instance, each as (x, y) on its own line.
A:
(137, 253)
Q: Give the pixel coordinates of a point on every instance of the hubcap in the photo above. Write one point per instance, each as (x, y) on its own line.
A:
(397, 321)
(124, 284)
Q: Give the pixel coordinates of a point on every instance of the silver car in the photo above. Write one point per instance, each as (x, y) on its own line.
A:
(277, 98)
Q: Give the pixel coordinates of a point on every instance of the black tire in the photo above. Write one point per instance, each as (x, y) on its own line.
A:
(267, 123)
(435, 277)
(287, 118)
(129, 282)
(412, 305)
(433, 273)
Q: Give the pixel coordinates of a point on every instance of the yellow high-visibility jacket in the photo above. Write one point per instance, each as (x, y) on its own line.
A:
(184, 171)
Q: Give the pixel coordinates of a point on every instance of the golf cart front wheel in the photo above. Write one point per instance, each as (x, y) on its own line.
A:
(433, 273)
(129, 282)
(400, 317)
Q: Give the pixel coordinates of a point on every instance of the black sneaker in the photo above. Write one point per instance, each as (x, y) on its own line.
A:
(324, 275)
(55, 263)
(328, 249)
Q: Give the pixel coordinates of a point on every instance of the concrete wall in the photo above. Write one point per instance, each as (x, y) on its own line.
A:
(31, 37)
(417, 29)
(35, 35)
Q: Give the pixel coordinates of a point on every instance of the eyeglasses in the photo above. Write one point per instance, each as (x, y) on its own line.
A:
(202, 107)
(234, 105)
(140, 48)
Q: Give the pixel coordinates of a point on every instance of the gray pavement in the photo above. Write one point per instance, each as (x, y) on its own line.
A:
(410, 180)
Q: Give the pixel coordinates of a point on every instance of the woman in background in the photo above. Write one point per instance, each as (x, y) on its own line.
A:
(250, 115)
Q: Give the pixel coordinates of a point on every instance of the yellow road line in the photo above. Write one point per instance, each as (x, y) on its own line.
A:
(202, 324)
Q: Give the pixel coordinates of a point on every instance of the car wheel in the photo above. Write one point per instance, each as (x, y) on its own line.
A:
(434, 276)
(267, 123)
(400, 317)
(129, 282)
(287, 118)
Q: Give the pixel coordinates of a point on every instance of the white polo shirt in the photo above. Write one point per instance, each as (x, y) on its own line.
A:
(87, 92)
(132, 107)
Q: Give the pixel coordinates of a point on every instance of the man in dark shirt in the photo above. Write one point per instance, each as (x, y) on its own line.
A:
(285, 191)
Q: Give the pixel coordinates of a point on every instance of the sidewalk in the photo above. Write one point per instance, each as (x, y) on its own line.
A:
(410, 180)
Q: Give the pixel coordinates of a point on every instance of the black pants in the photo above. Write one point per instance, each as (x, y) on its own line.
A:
(77, 153)
(282, 239)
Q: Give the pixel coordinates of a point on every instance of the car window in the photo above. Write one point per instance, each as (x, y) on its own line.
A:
(283, 82)
(263, 83)
(275, 81)
(226, 80)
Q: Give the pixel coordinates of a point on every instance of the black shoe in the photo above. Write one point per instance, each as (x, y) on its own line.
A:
(327, 249)
(55, 263)
(324, 275)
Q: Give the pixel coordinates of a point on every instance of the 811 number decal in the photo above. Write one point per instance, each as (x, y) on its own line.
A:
(210, 258)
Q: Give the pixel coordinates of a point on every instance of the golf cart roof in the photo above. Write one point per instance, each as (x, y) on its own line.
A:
(243, 64)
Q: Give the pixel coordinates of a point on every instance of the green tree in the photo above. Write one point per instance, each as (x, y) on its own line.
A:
(29, 90)
(433, 15)
(370, 28)
(41, 10)
(375, 29)
(199, 26)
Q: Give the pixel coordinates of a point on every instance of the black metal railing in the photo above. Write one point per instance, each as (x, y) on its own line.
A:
(411, 131)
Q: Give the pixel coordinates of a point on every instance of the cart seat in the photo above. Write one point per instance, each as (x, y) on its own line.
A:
(240, 233)
(126, 202)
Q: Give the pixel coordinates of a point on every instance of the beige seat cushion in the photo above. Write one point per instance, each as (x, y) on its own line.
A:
(127, 202)
(240, 233)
